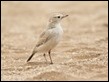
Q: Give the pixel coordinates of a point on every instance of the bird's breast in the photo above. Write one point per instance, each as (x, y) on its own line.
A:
(58, 30)
(57, 33)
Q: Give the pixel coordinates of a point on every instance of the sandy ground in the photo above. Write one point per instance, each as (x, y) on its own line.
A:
(81, 55)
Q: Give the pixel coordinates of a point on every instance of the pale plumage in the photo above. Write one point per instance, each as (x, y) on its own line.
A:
(50, 37)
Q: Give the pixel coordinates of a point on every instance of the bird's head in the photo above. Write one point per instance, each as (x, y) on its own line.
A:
(57, 17)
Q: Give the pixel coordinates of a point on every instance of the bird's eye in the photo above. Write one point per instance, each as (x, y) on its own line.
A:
(58, 16)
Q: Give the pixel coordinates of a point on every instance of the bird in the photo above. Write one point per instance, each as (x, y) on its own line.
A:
(50, 37)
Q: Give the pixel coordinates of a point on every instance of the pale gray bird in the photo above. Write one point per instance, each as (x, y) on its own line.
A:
(50, 37)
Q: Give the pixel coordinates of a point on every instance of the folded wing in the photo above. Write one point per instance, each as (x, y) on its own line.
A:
(44, 37)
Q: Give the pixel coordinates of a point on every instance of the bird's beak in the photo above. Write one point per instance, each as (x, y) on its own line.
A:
(64, 16)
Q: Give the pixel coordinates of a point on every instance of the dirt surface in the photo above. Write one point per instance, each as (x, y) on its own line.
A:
(81, 55)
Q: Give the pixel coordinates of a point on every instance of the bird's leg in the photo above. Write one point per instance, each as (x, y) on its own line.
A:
(50, 56)
(45, 57)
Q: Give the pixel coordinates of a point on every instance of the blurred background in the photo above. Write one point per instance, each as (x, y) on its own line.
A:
(81, 55)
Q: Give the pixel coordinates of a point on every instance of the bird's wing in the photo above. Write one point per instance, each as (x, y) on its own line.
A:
(44, 37)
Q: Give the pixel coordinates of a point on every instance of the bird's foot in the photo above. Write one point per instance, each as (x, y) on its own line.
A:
(51, 63)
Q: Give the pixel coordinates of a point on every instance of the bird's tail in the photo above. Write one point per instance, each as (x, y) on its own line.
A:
(30, 57)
